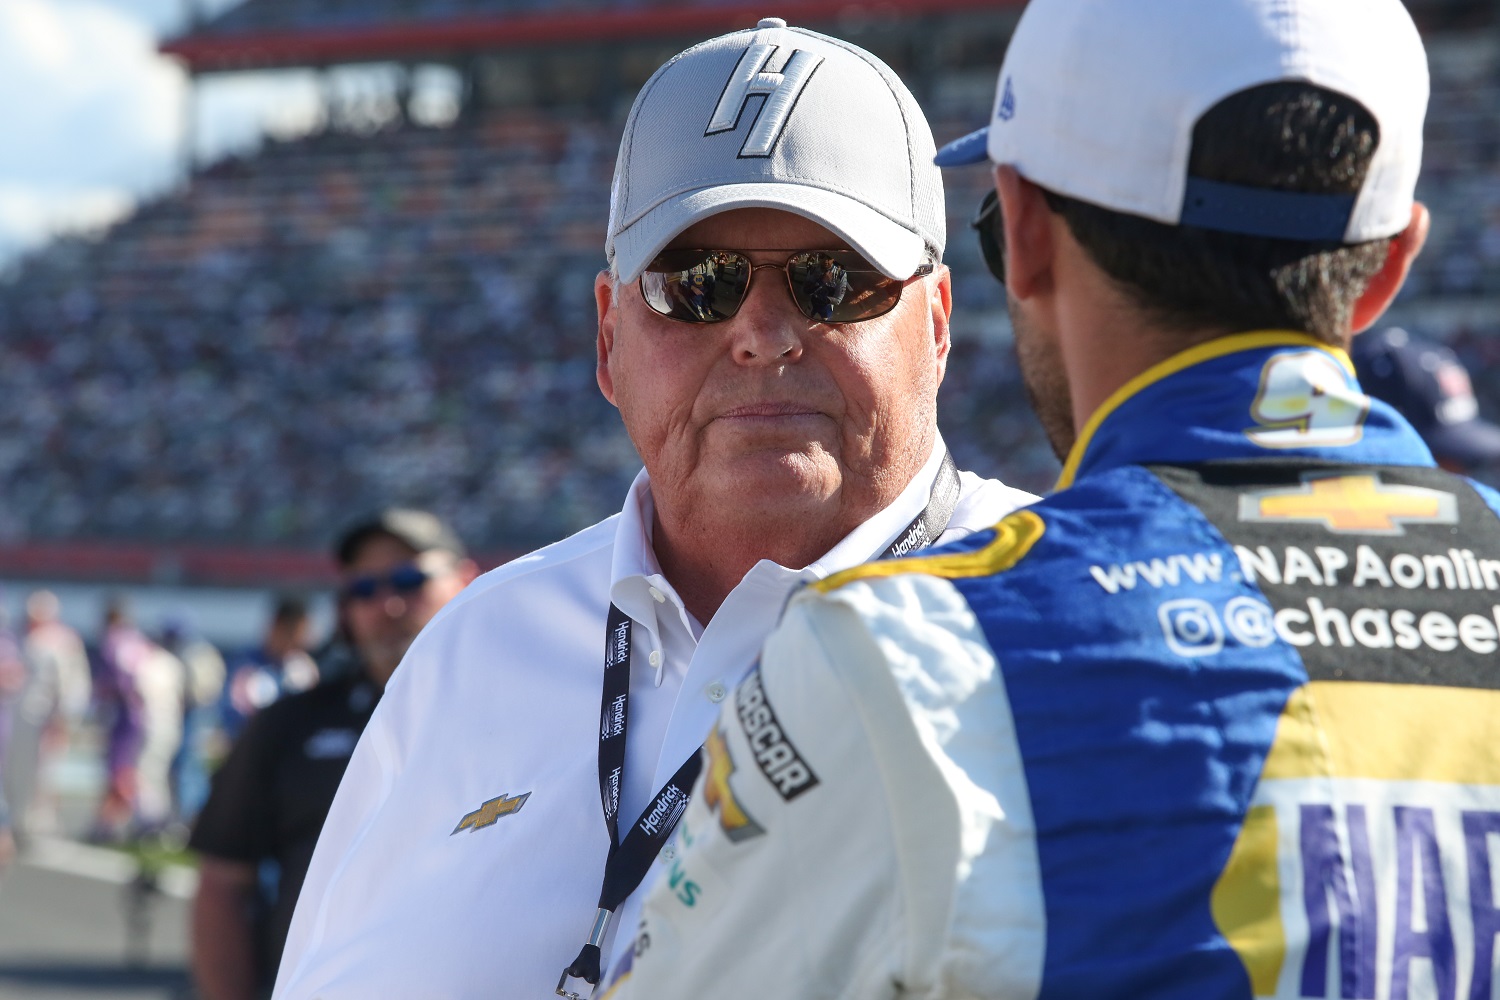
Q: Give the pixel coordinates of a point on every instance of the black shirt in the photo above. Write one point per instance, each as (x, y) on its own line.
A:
(270, 798)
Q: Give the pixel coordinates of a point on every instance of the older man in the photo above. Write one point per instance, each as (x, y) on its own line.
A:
(1215, 719)
(528, 766)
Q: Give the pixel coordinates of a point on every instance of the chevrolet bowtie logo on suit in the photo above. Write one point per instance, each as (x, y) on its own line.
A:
(719, 795)
(1352, 505)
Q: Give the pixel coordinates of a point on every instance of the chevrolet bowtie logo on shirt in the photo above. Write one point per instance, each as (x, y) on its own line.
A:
(490, 813)
(1352, 505)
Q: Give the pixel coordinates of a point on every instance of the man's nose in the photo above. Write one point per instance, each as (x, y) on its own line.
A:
(768, 329)
(394, 605)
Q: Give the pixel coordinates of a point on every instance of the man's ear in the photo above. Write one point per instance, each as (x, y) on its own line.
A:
(605, 288)
(1382, 290)
(1029, 246)
(940, 301)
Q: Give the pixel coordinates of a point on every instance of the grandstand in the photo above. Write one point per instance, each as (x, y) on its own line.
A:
(398, 312)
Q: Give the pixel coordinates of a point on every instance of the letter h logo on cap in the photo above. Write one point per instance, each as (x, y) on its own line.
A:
(781, 90)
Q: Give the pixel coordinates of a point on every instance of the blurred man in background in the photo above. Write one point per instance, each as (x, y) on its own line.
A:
(53, 703)
(123, 651)
(202, 688)
(161, 684)
(1430, 387)
(255, 834)
(12, 684)
(279, 666)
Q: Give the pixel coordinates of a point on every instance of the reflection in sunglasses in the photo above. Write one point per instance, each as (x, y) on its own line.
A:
(709, 286)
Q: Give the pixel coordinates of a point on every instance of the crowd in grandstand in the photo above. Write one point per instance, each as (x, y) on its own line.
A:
(344, 320)
(333, 324)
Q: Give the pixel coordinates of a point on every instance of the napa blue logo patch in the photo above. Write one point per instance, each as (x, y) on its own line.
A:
(1007, 109)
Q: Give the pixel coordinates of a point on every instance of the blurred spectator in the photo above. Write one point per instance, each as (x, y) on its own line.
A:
(272, 795)
(123, 652)
(168, 365)
(12, 683)
(160, 682)
(1425, 382)
(337, 657)
(53, 703)
(280, 665)
(202, 688)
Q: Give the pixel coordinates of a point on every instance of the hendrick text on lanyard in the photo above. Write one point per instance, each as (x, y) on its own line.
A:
(630, 857)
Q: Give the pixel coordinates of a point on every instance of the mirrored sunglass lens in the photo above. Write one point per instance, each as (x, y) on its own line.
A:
(841, 287)
(695, 286)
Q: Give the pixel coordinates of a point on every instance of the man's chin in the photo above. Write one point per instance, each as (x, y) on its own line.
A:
(773, 477)
(382, 658)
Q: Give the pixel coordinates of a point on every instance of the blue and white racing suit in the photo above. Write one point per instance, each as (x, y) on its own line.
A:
(1219, 718)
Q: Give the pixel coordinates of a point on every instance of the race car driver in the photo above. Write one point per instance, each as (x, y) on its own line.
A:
(1217, 718)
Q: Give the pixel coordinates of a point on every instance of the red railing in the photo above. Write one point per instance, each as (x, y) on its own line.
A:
(108, 562)
(208, 53)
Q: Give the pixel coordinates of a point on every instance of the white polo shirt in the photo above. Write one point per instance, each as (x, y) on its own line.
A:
(464, 852)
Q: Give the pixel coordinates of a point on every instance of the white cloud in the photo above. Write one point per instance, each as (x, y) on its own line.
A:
(29, 216)
(165, 17)
(162, 16)
(94, 116)
(234, 110)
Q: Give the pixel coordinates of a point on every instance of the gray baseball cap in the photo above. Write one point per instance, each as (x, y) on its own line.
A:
(419, 529)
(784, 118)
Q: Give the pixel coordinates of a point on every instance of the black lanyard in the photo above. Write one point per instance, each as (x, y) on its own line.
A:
(630, 857)
(933, 521)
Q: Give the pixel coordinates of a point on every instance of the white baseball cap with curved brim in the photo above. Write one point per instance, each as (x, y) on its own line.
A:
(782, 118)
(1097, 100)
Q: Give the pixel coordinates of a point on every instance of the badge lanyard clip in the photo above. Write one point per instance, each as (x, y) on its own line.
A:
(589, 961)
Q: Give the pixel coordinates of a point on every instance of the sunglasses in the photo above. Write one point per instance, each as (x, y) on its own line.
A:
(402, 581)
(986, 223)
(709, 286)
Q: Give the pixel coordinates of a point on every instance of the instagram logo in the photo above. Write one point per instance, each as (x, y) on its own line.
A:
(1192, 627)
(1250, 622)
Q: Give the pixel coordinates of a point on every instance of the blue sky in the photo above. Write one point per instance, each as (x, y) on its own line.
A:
(96, 119)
